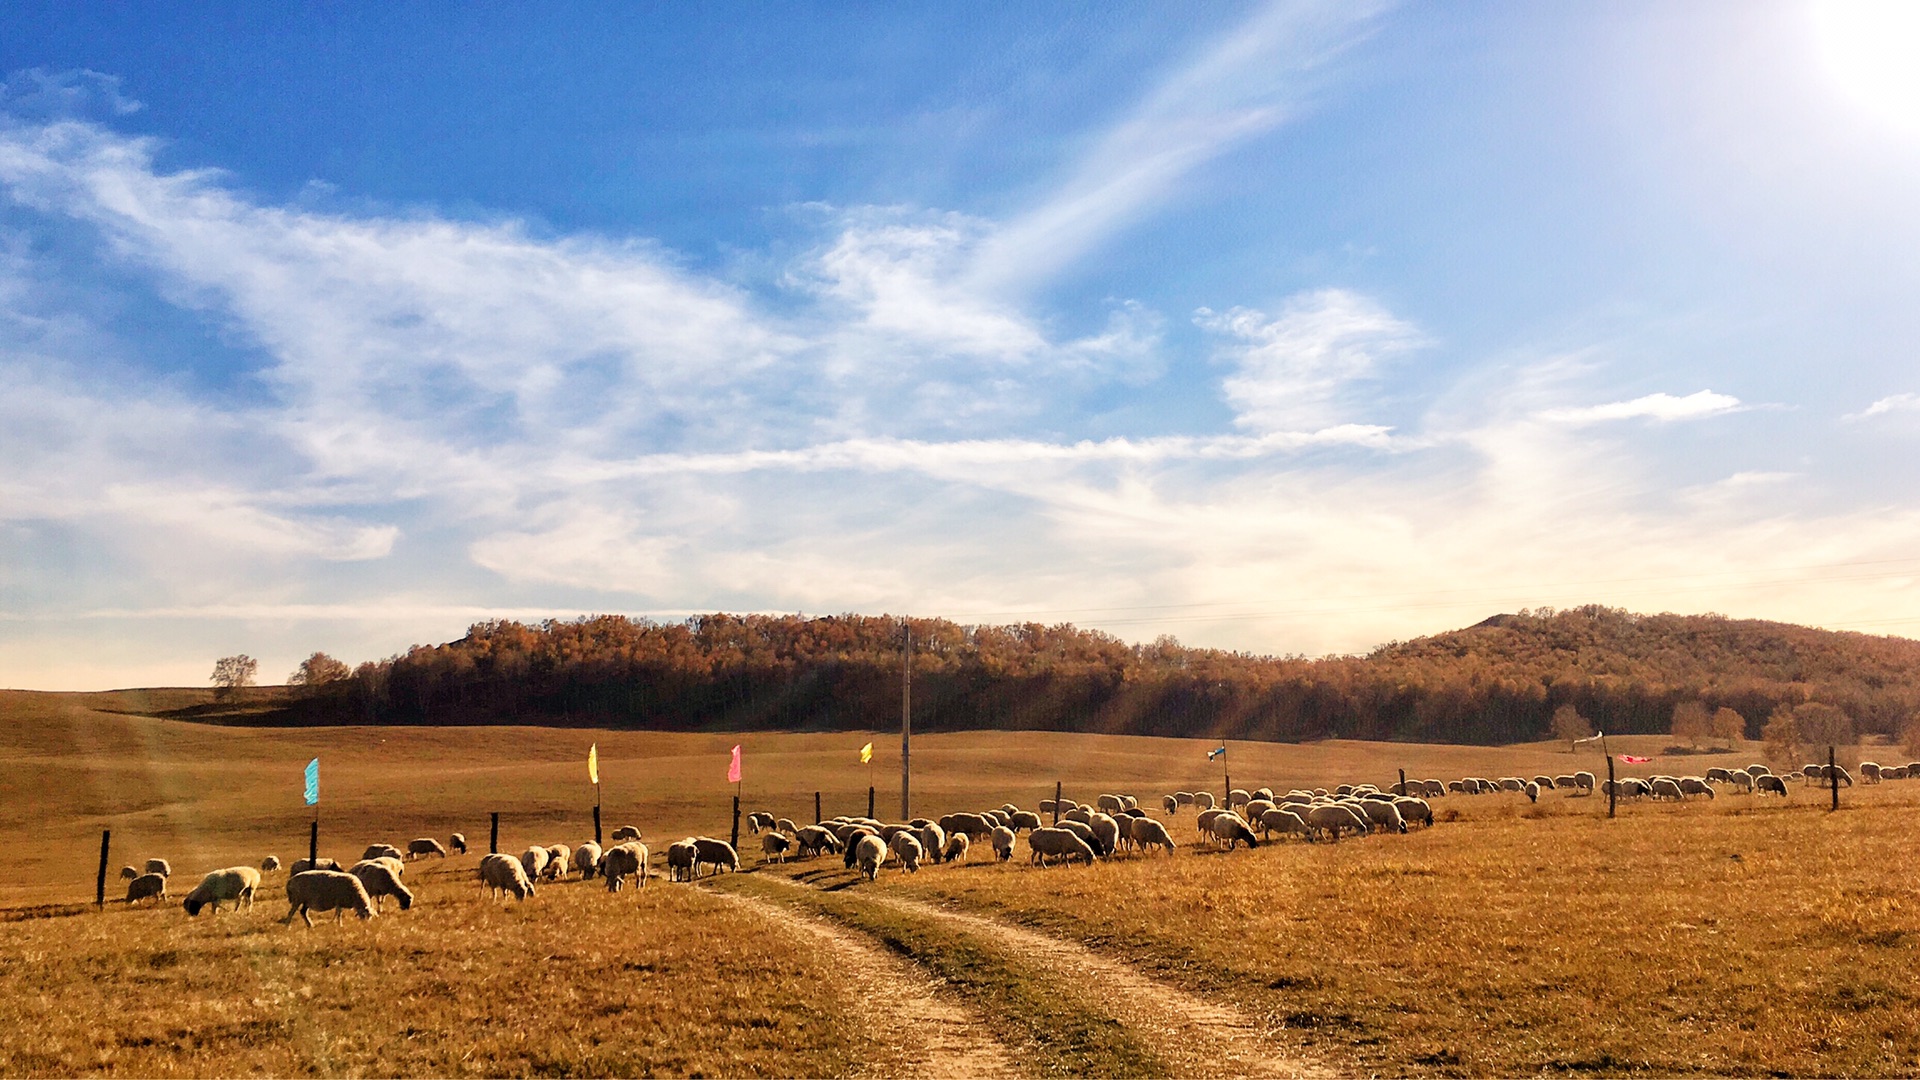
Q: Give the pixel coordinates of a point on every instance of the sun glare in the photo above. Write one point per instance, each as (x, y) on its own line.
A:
(1872, 48)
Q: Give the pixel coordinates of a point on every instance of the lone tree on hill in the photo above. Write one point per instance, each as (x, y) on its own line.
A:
(1729, 725)
(1568, 724)
(1822, 724)
(230, 673)
(1692, 722)
(1781, 738)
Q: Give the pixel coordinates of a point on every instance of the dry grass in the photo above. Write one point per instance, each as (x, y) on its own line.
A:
(1513, 940)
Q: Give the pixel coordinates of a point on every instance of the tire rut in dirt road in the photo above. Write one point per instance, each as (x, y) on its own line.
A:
(928, 1034)
(1192, 1036)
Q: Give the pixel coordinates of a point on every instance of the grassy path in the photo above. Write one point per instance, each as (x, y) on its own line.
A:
(1080, 1011)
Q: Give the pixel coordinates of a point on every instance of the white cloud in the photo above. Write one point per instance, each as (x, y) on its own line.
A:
(1893, 403)
(1661, 407)
(1292, 370)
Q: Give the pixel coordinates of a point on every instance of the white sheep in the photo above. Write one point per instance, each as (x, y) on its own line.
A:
(301, 866)
(380, 851)
(1768, 782)
(557, 855)
(757, 821)
(381, 878)
(1231, 830)
(1146, 832)
(421, 847)
(1202, 800)
(1533, 793)
(269, 864)
(1002, 842)
(682, 857)
(458, 842)
(1666, 787)
(534, 861)
(868, 854)
(234, 884)
(1414, 810)
(1382, 815)
(774, 846)
(1170, 804)
(1331, 818)
(1106, 831)
(1057, 843)
(503, 874)
(1283, 821)
(329, 890)
(715, 853)
(626, 832)
(813, 839)
(128, 873)
(586, 859)
(957, 847)
(909, 850)
(933, 839)
(159, 866)
(622, 860)
(145, 887)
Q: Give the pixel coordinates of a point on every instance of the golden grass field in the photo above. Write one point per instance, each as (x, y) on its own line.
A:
(1737, 937)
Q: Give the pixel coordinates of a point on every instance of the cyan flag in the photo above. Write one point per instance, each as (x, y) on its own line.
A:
(1211, 754)
(313, 782)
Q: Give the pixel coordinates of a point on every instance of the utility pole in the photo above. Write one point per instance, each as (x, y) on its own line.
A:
(906, 724)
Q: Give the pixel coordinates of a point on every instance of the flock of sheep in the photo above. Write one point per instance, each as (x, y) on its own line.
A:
(1111, 825)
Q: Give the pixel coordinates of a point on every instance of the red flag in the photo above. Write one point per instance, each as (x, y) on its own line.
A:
(1631, 760)
(733, 770)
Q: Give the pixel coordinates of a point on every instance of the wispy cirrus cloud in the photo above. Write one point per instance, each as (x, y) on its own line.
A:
(1892, 403)
(1658, 407)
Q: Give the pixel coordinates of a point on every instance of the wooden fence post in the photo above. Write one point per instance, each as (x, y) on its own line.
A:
(596, 825)
(100, 886)
(1403, 783)
(869, 803)
(493, 835)
(1833, 778)
(1056, 803)
(1613, 789)
(816, 808)
(736, 822)
(313, 845)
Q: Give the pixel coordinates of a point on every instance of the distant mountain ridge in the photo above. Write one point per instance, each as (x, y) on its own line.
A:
(1497, 681)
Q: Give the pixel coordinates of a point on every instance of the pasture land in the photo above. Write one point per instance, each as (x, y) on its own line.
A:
(1732, 937)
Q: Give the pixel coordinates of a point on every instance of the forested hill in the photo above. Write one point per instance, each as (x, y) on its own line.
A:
(1498, 681)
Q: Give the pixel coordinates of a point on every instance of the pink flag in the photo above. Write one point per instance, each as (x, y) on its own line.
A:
(733, 770)
(1628, 758)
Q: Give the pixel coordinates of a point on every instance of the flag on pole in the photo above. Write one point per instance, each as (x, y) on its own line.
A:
(866, 753)
(1211, 754)
(313, 782)
(1631, 760)
(733, 769)
(593, 763)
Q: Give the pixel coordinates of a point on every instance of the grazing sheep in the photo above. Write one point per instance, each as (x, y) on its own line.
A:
(1435, 789)
(1758, 770)
(1081, 814)
(1533, 793)
(1564, 780)
(1047, 806)
(1230, 830)
(908, 849)
(128, 873)
(145, 887)
(1062, 844)
(1870, 771)
(1414, 810)
(715, 853)
(1252, 811)
(377, 876)
(534, 861)
(1238, 798)
(1382, 815)
(1583, 781)
(557, 856)
(814, 839)
(301, 866)
(1085, 832)
(682, 856)
(424, 846)
(1107, 831)
(1203, 817)
(458, 843)
(1170, 804)
(235, 884)
(957, 847)
(1512, 783)
(1331, 818)
(329, 890)
(1695, 785)
(586, 859)
(1768, 782)
(1002, 842)
(758, 820)
(1283, 821)
(1458, 787)
(622, 861)
(1666, 787)
(1203, 800)
(380, 851)
(1146, 832)
(159, 866)
(934, 839)
(1741, 780)
(774, 846)
(503, 874)
(974, 825)
(626, 832)
(851, 857)
(868, 854)
(1719, 774)
(269, 864)
(1025, 819)
(1183, 798)
(1545, 782)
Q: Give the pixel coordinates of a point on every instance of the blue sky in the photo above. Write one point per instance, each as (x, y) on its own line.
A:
(1291, 328)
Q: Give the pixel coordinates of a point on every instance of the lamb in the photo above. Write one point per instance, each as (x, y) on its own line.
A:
(146, 887)
(128, 873)
(458, 842)
(908, 849)
(1062, 844)
(534, 861)
(380, 851)
(1146, 832)
(380, 880)
(328, 890)
(557, 856)
(957, 846)
(774, 846)
(715, 853)
(159, 866)
(682, 856)
(868, 854)
(626, 832)
(234, 884)
(424, 846)
(503, 874)
(301, 866)
(269, 864)
(586, 859)
(1231, 830)
(621, 860)
(1002, 842)
(1282, 821)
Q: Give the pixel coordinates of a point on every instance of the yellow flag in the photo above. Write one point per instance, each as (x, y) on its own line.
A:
(866, 753)
(593, 763)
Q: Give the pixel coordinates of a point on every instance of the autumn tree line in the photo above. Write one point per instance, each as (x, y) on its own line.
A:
(1535, 675)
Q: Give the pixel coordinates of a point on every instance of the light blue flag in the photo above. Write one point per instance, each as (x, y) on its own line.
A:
(1211, 754)
(313, 782)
